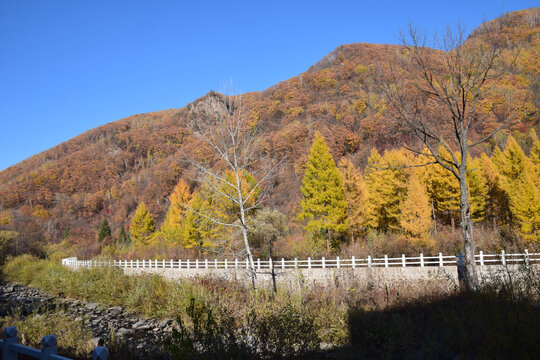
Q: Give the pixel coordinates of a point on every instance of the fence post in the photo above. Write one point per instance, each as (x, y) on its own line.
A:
(48, 347)
(309, 262)
(385, 260)
(143, 264)
(403, 263)
(369, 260)
(421, 259)
(503, 257)
(527, 262)
(10, 337)
(196, 263)
(215, 263)
(295, 263)
(337, 262)
(225, 263)
(236, 263)
(164, 263)
(282, 263)
(258, 264)
(441, 261)
(270, 264)
(353, 262)
(187, 263)
(179, 263)
(114, 263)
(323, 263)
(100, 353)
(171, 263)
(481, 258)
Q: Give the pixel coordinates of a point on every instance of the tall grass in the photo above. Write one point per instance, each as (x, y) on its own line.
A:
(403, 319)
(73, 338)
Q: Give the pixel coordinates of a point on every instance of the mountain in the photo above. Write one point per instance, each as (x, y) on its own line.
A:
(107, 171)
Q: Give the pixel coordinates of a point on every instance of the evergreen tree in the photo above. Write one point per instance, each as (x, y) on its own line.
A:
(477, 188)
(356, 195)
(104, 230)
(416, 213)
(386, 182)
(497, 203)
(197, 230)
(525, 207)
(323, 204)
(171, 229)
(123, 238)
(512, 164)
(443, 190)
(519, 183)
(535, 157)
(142, 225)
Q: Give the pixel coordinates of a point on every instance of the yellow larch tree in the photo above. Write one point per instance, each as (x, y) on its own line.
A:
(171, 229)
(323, 203)
(356, 195)
(416, 218)
(386, 182)
(142, 226)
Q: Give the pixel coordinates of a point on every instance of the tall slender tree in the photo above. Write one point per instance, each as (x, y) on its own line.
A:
(226, 132)
(142, 226)
(323, 204)
(171, 229)
(416, 212)
(104, 230)
(440, 106)
(356, 195)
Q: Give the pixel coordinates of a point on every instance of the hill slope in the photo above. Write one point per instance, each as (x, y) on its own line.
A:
(107, 171)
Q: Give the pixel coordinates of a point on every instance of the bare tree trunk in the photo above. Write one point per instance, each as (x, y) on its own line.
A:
(328, 241)
(434, 218)
(471, 275)
(249, 255)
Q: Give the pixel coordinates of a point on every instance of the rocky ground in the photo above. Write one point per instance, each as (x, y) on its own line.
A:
(129, 335)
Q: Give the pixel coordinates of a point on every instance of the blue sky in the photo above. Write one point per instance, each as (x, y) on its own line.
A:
(68, 66)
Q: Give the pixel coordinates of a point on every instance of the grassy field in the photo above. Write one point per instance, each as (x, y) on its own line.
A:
(409, 320)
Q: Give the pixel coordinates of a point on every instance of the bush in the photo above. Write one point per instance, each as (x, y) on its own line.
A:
(205, 338)
(284, 332)
(501, 320)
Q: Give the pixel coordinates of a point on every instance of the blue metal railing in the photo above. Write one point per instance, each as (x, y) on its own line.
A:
(49, 351)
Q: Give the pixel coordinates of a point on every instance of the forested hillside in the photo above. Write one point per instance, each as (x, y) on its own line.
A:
(66, 192)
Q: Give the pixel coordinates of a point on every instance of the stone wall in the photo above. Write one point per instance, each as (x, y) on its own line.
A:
(324, 277)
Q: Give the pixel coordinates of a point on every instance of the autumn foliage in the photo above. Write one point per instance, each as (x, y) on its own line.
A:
(64, 193)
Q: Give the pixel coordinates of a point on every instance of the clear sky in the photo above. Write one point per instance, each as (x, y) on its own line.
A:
(67, 66)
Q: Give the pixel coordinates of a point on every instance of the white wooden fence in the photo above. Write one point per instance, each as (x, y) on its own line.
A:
(323, 263)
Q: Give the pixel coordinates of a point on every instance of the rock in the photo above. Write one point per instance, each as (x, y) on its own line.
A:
(95, 342)
(143, 327)
(326, 346)
(91, 306)
(139, 324)
(164, 323)
(123, 332)
(8, 289)
(115, 311)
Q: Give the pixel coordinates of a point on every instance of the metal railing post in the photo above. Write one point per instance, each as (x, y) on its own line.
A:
(10, 337)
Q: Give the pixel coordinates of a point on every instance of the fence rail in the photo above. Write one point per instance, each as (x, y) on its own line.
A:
(323, 263)
(11, 349)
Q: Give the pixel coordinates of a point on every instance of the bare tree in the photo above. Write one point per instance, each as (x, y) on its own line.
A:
(435, 97)
(239, 168)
